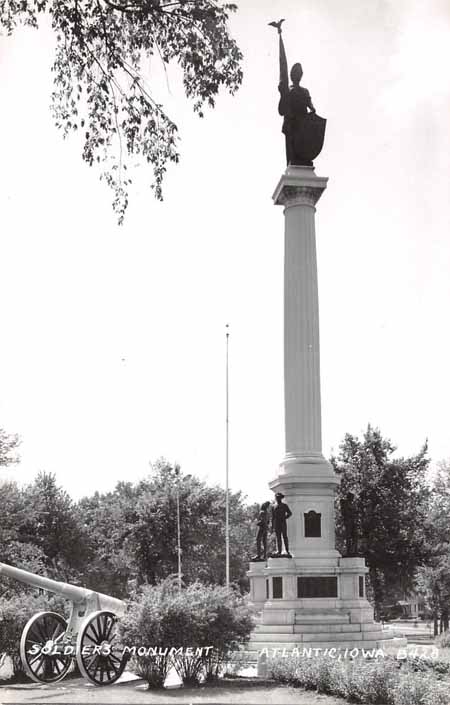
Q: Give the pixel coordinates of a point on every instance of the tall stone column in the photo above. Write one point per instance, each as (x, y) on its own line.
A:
(305, 477)
(298, 191)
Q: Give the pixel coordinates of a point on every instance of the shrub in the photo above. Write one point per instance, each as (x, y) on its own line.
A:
(371, 681)
(190, 668)
(354, 685)
(192, 619)
(141, 627)
(15, 612)
(326, 675)
(153, 670)
(424, 664)
(321, 673)
(378, 681)
(443, 640)
(420, 689)
(307, 673)
(282, 670)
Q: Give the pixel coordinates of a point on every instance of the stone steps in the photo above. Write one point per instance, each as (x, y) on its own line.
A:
(312, 637)
(321, 617)
(286, 646)
(316, 628)
(327, 628)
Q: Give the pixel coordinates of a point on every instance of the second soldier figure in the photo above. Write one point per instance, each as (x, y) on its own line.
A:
(280, 514)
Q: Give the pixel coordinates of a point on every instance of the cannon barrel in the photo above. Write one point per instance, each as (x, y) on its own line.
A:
(71, 592)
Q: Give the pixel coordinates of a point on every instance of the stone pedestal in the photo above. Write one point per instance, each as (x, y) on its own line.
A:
(316, 597)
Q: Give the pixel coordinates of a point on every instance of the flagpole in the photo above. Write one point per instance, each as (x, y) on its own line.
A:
(177, 474)
(227, 441)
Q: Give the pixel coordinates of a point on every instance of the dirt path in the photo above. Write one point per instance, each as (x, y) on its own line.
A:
(253, 692)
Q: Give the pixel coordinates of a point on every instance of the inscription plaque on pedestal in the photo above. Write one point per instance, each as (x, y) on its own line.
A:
(312, 524)
(317, 586)
(361, 585)
(277, 587)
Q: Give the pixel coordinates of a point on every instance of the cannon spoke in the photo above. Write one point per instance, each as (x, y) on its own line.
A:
(96, 634)
(40, 664)
(60, 658)
(40, 632)
(110, 661)
(113, 668)
(108, 630)
(88, 664)
(88, 636)
(57, 632)
(105, 629)
(33, 660)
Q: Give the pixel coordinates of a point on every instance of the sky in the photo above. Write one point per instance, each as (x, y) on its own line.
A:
(112, 343)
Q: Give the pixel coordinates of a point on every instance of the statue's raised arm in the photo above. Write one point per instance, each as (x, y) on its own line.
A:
(283, 85)
(303, 129)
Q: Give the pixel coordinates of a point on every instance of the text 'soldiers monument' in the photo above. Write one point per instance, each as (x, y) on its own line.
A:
(310, 594)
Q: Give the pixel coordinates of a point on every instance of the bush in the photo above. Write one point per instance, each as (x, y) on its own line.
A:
(354, 682)
(379, 682)
(371, 681)
(15, 612)
(321, 673)
(443, 640)
(189, 621)
(153, 670)
(420, 689)
(329, 675)
(282, 670)
(422, 664)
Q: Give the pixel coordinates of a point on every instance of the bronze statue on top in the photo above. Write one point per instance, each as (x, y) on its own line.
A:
(303, 128)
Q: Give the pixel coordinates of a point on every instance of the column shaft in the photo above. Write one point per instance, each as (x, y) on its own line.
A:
(301, 333)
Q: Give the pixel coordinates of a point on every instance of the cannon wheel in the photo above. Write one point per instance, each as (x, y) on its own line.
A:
(98, 658)
(45, 629)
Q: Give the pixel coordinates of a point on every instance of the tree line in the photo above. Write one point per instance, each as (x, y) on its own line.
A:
(116, 541)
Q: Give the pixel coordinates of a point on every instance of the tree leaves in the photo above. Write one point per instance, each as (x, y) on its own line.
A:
(101, 47)
(9, 444)
(136, 527)
(433, 579)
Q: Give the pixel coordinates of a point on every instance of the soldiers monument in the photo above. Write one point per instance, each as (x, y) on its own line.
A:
(309, 596)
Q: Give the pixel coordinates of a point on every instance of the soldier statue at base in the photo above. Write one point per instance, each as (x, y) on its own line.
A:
(280, 514)
(261, 536)
(348, 513)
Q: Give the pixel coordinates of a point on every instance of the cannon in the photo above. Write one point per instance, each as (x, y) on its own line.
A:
(49, 644)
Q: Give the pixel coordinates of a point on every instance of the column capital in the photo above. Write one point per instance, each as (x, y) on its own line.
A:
(299, 186)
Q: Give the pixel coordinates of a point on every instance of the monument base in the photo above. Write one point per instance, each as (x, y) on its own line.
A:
(314, 602)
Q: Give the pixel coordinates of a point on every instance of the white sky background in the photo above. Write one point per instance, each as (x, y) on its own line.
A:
(80, 294)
